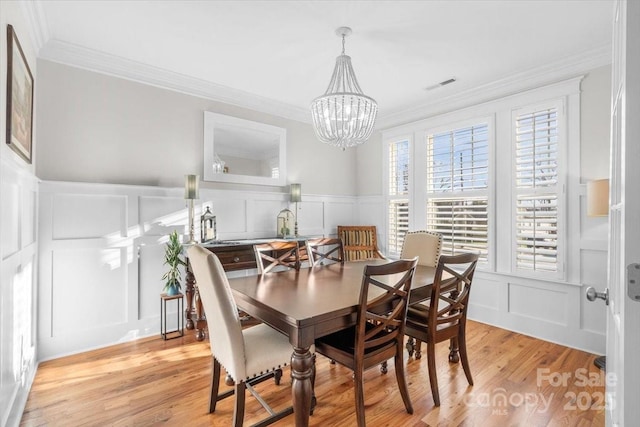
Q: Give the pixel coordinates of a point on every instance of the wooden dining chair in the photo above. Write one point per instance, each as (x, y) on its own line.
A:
(324, 249)
(249, 356)
(426, 245)
(360, 242)
(445, 317)
(378, 333)
(277, 253)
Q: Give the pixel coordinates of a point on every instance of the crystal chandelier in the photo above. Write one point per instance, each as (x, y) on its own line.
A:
(343, 116)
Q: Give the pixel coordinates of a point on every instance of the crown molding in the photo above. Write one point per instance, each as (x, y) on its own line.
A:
(536, 77)
(38, 28)
(89, 59)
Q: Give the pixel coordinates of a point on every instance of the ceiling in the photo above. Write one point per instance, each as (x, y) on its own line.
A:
(284, 52)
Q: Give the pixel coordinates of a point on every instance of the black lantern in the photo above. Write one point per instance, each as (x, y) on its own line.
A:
(208, 229)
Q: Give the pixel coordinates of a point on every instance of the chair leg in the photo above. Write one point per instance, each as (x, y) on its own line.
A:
(359, 392)
(462, 341)
(277, 374)
(417, 349)
(453, 350)
(402, 381)
(215, 386)
(383, 367)
(238, 413)
(433, 377)
(410, 346)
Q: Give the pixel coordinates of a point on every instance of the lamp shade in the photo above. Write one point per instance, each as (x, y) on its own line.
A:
(296, 192)
(598, 197)
(191, 183)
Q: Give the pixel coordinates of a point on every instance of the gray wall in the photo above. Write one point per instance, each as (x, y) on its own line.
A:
(102, 129)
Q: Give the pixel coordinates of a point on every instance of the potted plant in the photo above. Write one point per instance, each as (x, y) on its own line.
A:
(173, 258)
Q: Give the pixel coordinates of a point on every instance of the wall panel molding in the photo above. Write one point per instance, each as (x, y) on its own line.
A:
(102, 247)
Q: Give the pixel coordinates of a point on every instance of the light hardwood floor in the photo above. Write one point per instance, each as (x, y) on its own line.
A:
(519, 381)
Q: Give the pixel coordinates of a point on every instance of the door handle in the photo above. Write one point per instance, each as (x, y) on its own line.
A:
(593, 295)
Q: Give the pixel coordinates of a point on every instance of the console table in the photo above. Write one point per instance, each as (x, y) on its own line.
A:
(234, 255)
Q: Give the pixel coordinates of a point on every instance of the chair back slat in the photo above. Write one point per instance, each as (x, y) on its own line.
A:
(455, 296)
(277, 253)
(381, 316)
(325, 249)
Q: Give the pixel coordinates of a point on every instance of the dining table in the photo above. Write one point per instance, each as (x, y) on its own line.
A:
(310, 303)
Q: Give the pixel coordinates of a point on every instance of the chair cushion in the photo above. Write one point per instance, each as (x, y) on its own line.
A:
(265, 350)
(345, 340)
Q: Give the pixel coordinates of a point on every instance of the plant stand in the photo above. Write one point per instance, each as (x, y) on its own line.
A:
(163, 316)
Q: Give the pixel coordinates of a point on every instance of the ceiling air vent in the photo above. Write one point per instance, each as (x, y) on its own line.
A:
(442, 83)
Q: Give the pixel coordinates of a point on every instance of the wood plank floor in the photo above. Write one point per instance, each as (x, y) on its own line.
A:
(519, 381)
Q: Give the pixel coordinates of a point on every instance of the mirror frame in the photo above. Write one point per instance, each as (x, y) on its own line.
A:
(211, 120)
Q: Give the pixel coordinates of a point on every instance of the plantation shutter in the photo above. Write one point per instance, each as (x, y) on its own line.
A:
(457, 191)
(398, 208)
(536, 182)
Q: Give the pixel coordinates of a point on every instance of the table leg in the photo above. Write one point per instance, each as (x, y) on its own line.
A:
(190, 282)
(200, 322)
(302, 389)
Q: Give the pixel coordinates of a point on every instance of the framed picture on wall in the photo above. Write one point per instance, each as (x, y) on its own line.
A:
(19, 98)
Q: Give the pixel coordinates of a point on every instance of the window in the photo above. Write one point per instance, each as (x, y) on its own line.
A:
(500, 178)
(536, 190)
(457, 165)
(398, 206)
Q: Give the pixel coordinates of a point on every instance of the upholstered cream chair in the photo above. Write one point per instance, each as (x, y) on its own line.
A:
(426, 245)
(249, 356)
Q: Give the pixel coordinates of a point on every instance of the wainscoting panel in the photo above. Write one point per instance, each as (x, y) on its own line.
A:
(263, 216)
(29, 216)
(18, 276)
(150, 271)
(88, 216)
(102, 249)
(157, 214)
(231, 214)
(594, 273)
(342, 212)
(89, 290)
(310, 217)
(485, 293)
(538, 303)
(10, 219)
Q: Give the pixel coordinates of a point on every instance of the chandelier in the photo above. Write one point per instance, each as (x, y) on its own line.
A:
(344, 116)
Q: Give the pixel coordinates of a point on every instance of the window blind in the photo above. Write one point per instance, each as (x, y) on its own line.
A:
(398, 206)
(457, 192)
(536, 201)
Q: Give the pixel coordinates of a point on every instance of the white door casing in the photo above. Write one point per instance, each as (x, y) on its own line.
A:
(623, 312)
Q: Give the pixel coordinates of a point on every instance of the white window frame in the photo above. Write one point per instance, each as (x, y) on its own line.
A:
(423, 198)
(501, 193)
(386, 177)
(561, 194)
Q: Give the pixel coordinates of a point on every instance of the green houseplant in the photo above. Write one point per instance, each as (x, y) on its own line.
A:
(173, 258)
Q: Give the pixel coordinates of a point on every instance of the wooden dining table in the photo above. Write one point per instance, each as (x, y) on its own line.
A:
(309, 303)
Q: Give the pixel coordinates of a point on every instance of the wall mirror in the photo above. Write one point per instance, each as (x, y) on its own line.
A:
(243, 151)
